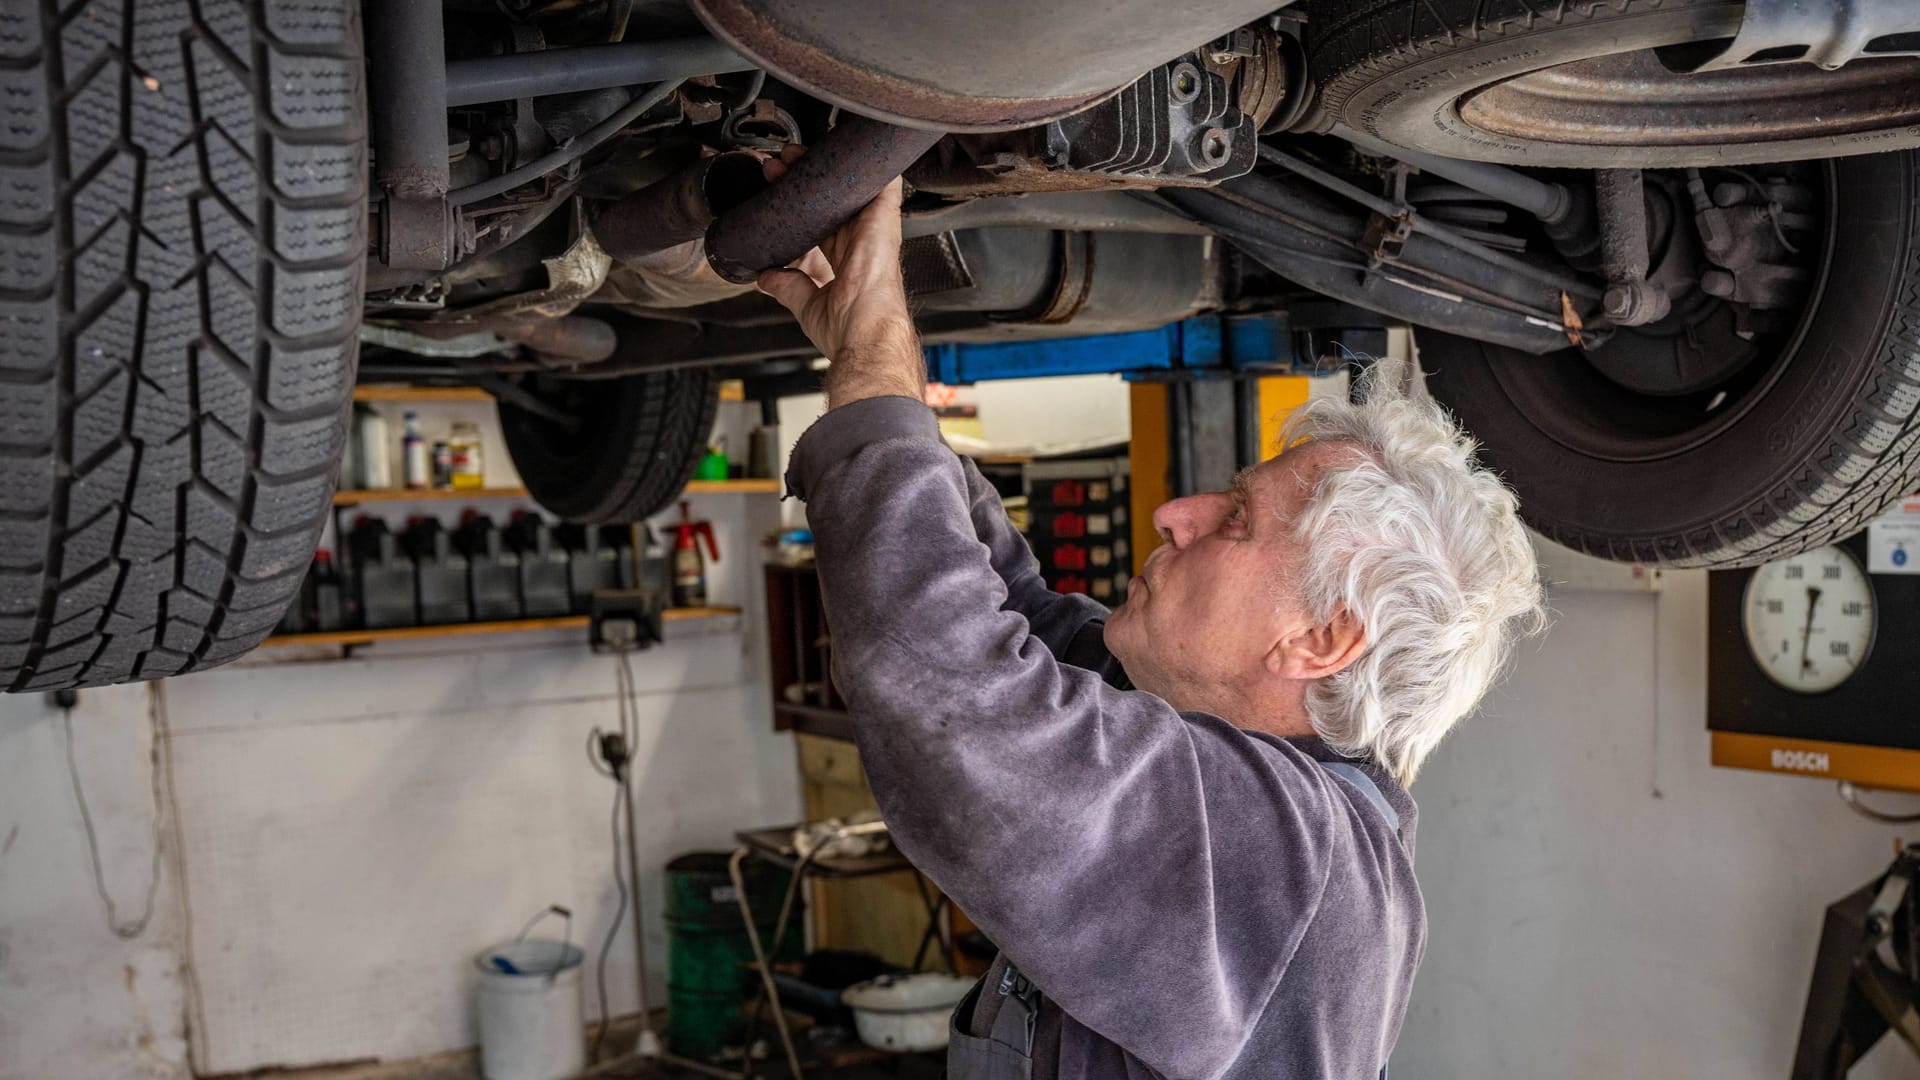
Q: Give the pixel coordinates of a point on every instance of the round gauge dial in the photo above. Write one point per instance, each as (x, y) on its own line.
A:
(1809, 619)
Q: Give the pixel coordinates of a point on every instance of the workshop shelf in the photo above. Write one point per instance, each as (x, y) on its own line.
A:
(401, 393)
(504, 626)
(355, 498)
(730, 390)
(695, 487)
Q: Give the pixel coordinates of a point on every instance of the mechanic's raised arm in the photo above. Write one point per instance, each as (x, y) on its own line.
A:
(1029, 790)
(851, 301)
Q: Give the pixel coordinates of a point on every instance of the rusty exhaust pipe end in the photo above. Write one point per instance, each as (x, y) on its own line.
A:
(679, 208)
(818, 194)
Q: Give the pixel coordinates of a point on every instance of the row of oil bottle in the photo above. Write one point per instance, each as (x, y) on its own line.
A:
(428, 575)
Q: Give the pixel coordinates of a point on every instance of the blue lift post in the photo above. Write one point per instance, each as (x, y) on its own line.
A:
(1210, 346)
(1240, 348)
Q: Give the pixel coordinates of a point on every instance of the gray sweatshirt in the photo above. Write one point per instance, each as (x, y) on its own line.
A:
(1193, 899)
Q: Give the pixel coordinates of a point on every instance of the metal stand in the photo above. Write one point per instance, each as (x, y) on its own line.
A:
(1863, 982)
(774, 846)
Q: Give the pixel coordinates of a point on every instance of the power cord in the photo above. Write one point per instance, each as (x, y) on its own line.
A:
(611, 755)
(65, 700)
(1851, 796)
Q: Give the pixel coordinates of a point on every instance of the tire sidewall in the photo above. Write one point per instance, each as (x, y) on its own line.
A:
(1745, 477)
(1411, 102)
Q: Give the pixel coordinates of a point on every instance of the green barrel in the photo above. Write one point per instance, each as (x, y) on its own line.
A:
(708, 954)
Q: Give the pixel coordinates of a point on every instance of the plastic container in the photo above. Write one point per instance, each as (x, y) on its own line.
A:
(416, 465)
(440, 574)
(468, 467)
(531, 1022)
(493, 569)
(383, 576)
(905, 1013)
(543, 566)
(372, 451)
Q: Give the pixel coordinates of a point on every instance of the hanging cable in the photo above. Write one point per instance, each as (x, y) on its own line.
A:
(1851, 796)
(125, 930)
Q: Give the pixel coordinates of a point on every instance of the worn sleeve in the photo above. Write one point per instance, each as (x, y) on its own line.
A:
(1070, 625)
(1151, 871)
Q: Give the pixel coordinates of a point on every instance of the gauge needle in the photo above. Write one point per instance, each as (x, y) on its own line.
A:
(1806, 636)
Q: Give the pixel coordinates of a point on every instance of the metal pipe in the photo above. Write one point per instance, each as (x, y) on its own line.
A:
(566, 153)
(818, 194)
(407, 69)
(1387, 208)
(679, 208)
(587, 67)
(1547, 201)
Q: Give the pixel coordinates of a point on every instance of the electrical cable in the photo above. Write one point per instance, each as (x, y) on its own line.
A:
(1851, 796)
(618, 772)
(125, 930)
(613, 928)
(567, 152)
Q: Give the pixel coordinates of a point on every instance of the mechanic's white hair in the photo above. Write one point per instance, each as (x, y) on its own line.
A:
(1424, 547)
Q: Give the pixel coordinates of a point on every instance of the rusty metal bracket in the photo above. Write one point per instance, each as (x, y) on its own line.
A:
(1825, 33)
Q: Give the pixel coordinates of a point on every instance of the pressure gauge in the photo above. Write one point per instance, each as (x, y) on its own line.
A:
(1809, 619)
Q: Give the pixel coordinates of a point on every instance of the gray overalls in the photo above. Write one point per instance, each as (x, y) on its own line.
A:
(1006, 1052)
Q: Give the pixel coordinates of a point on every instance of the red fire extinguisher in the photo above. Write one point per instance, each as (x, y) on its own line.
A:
(689, 569)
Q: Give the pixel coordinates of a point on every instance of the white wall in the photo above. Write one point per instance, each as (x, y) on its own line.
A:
(1604, 903)
(352, 832)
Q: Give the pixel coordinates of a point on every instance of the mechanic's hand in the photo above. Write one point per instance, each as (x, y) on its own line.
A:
(851, 301)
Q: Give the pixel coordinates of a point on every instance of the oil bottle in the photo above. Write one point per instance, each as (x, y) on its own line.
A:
(689, 569)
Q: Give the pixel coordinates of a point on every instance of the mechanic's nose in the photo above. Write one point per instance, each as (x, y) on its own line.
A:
(1182, 521)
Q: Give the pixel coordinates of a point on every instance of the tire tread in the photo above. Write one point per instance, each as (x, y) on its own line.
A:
(180, 470)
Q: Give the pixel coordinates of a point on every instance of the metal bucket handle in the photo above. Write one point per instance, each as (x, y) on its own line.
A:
(566, 935)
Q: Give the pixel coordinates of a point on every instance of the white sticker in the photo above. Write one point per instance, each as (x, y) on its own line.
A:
(1893, 540)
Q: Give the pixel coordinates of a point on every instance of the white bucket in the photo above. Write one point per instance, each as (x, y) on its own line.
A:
(530, 1022)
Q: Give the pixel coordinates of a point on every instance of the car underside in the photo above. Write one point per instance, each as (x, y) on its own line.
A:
(1661, 258)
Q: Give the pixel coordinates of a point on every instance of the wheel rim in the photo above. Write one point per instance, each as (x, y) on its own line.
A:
(1632, 99)
(1569, 400)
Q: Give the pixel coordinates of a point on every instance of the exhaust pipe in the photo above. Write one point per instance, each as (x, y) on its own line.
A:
(679, 208)
(818, 194)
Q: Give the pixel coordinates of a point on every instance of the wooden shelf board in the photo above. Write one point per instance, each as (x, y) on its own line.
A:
(505, 626)
(355, 498)
(765, 485)
(390, 392)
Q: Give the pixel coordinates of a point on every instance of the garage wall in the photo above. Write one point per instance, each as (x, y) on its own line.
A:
(352, 832)
(1602, 902)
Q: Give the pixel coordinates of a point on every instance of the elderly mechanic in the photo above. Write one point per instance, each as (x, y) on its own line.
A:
(1185, 823)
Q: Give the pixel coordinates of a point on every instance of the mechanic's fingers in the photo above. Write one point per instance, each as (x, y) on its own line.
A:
(817, 265)
(773, 168)
(793, 288)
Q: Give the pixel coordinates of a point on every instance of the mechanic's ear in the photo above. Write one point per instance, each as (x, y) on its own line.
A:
(1319, 651)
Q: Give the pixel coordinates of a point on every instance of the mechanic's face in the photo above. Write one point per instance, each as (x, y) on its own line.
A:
(1215, 613)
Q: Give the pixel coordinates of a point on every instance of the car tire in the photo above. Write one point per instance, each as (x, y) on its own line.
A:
(1396, 70)
(182, 200)
(633, 446)
(1822, 436)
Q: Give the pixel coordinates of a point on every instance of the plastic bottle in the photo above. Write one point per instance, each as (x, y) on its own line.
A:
(689, 570)
(415, 461)
(372, 453)
(469, 466)
(442, 464)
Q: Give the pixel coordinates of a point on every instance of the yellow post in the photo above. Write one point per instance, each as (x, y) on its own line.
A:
(1279, 395)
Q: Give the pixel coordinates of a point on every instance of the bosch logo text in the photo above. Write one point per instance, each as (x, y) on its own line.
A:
(1800, 761)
